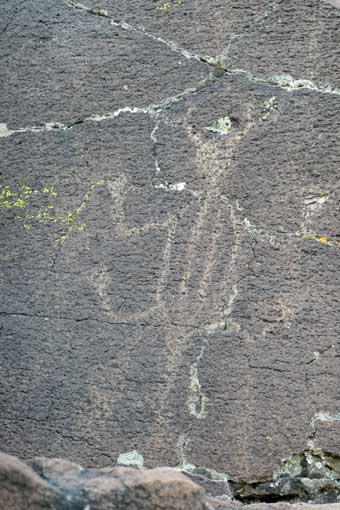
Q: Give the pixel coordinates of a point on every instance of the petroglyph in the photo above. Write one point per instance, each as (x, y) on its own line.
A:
(101, 278)
(214, 218)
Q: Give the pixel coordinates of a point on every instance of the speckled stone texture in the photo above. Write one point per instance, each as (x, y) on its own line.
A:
(170, 262)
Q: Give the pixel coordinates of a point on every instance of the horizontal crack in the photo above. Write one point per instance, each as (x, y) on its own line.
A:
(285, 82)
(274, 236)
(63, 318)
(182, 325)
(152, 110)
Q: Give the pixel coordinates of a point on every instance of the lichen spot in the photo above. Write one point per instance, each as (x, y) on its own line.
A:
(221, 126)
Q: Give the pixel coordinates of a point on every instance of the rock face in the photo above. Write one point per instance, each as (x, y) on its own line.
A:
(170, 265)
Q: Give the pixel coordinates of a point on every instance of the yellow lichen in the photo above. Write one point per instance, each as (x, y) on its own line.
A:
(49, 191)
(165, 6)
(19, 198)
(322, 239)
(168, 5)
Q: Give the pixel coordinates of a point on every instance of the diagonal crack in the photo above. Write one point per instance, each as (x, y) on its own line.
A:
(321, 352)
(139, 30)
(283, 81)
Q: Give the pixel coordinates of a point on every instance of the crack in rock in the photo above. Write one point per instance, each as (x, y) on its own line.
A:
(221, 126)
(286, 82)
(318, 354)
(48, 126)
(64, 318)
(274, 238)
(283, 81)
(152, 110)
(139, 30)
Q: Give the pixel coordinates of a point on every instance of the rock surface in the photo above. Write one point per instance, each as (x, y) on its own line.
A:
(170, 263)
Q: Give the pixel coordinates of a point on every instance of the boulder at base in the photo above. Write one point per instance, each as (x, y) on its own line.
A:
(55, 484)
